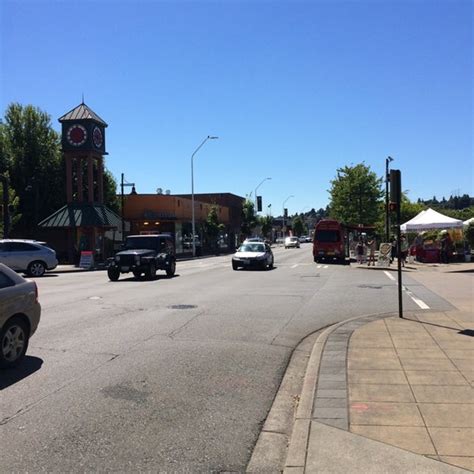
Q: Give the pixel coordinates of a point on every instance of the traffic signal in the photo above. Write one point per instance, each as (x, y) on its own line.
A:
(395, 186)
(259, 203)
(285, 212)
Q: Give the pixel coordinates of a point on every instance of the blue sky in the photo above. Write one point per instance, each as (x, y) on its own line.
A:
(294, 89)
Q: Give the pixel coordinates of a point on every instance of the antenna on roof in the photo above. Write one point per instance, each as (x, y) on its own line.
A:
(83, 97)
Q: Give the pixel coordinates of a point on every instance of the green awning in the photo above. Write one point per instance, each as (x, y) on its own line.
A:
(82, 215)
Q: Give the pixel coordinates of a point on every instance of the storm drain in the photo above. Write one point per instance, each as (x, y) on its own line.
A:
(182, 306)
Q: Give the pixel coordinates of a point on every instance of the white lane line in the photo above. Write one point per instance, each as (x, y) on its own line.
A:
(419, 302)
(319, 266)
(326, 266)
(294, 266)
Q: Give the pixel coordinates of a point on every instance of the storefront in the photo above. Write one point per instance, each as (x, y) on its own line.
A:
(163, 213)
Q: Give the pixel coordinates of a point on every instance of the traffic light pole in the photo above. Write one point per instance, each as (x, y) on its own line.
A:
(395, 198)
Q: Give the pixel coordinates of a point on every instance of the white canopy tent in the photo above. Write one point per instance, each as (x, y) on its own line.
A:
(469, 221)
(429, 220)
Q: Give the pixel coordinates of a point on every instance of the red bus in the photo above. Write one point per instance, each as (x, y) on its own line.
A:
(329, 243)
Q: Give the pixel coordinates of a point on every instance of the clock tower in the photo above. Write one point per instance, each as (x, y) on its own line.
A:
(83, 144)
(84, 221)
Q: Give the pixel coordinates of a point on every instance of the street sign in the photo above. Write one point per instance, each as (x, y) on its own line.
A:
(87, 259)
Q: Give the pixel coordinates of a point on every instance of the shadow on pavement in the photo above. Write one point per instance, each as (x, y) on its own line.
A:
(464, 332)
(11, 376)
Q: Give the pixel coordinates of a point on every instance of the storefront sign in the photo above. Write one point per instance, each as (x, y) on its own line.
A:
(87, 259)
(151, 215)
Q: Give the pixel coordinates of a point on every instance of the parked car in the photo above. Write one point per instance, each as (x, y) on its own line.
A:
(253, 255)
(19, 315)
(29, 256)
(144, 254)
(292, 242)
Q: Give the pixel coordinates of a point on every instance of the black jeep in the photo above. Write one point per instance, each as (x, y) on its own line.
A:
(144, 254)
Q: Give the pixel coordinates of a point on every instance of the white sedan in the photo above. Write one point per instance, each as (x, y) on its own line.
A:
(253, 255)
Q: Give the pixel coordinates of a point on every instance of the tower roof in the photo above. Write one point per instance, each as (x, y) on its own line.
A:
(82, 112)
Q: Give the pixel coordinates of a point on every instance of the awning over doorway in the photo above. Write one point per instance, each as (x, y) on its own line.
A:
(82, 215)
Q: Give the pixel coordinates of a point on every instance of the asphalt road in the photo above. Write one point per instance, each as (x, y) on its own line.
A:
(172, 374)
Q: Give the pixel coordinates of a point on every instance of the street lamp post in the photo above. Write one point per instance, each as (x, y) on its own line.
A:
(256, 200)
(387, 216)
(283, 215)
(124, 184)
(209, 137)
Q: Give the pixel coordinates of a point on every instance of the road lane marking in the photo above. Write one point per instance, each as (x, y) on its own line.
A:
(389, 275)
(295, 265)
(326, 266)
(319, 266)
(419, 302)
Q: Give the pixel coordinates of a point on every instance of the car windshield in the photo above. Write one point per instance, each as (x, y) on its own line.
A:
(142, 243)
(252, 248)
(327, 236)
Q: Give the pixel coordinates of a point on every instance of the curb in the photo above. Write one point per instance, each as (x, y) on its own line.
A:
(299, 438)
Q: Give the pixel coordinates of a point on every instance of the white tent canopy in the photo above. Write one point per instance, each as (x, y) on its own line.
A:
(430, 219)
(469, 221)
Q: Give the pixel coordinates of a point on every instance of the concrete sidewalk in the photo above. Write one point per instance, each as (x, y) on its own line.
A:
(406, 383)
(388, 395)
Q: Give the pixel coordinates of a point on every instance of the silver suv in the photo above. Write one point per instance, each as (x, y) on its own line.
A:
(29, 256)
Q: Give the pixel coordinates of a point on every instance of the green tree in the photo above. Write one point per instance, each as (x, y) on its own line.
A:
(32, 155)
(356, 193)
(111, 199)
(249, 219)
(266, 223)
(298, 226)
(469, 235)
(212, 227)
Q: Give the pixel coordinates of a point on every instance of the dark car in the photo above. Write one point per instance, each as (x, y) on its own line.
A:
(144, 254)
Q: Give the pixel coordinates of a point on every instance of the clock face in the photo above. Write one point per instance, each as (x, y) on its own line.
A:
(76, 135)
(97, 137)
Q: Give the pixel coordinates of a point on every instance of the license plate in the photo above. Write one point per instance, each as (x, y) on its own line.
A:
(125, 269)
(246, 261)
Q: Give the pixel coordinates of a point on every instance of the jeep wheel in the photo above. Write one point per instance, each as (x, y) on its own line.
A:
(137, 274)
(150, 272)
(113, 274)
(171, 269)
